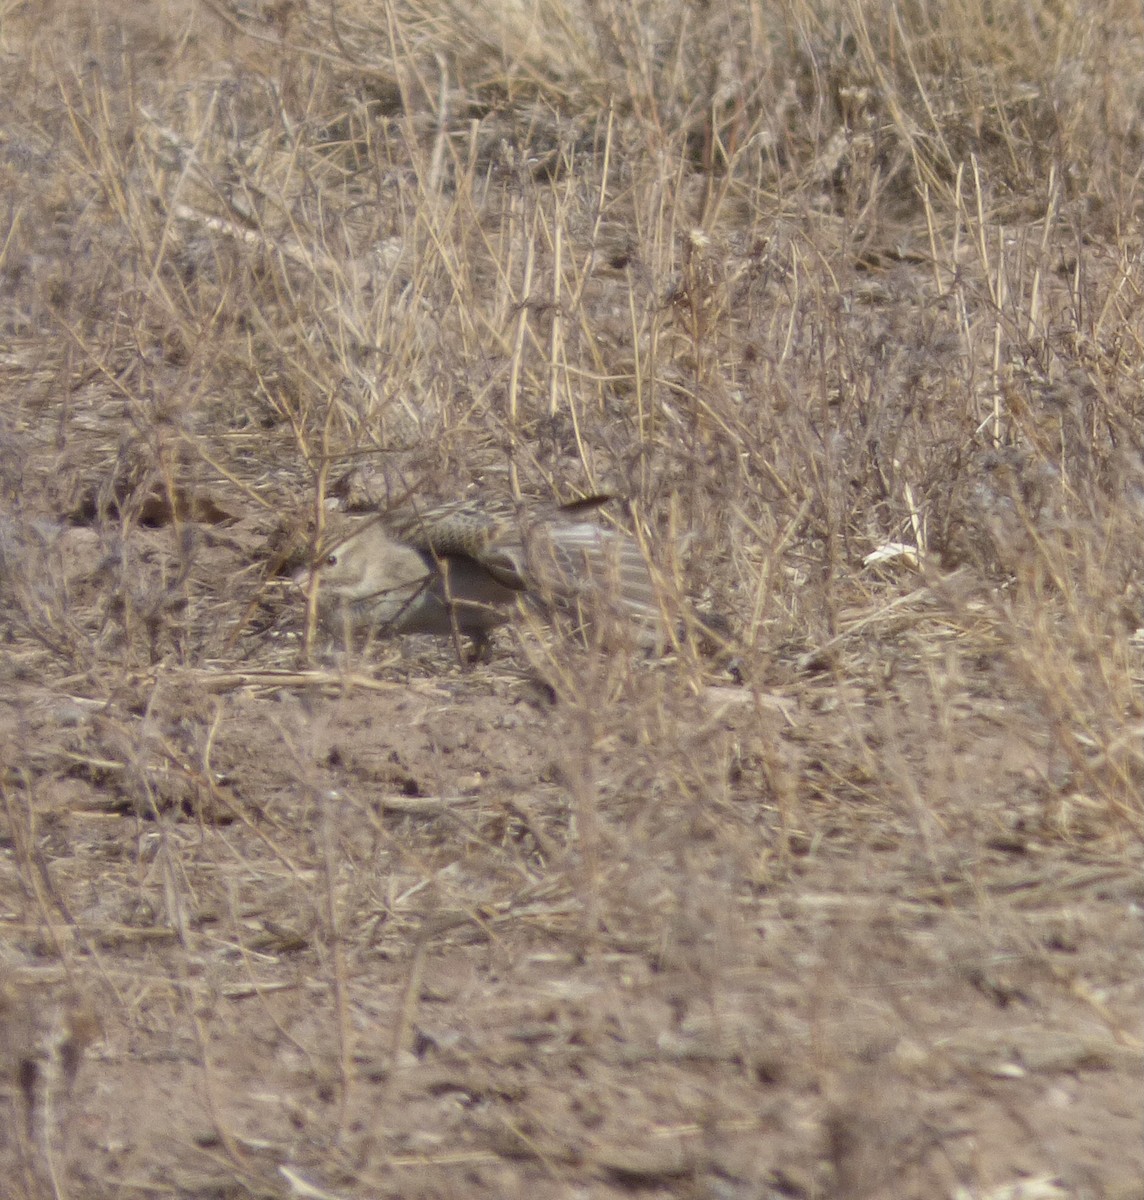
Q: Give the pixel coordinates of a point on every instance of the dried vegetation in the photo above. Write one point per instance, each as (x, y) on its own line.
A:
(845, 302)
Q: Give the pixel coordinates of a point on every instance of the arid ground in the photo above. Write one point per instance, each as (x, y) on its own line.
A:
(843, 303)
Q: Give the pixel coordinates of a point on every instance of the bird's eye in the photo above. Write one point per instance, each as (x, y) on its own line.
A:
(332, 560)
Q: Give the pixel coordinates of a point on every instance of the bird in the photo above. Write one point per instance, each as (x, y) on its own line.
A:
(461, 567)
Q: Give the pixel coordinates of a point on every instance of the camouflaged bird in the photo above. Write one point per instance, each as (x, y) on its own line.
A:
(460, 568)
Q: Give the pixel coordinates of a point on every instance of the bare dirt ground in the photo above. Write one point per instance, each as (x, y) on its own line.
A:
(844, 302)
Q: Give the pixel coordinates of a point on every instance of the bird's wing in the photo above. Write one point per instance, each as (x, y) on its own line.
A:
(490, 533)
(574, 560)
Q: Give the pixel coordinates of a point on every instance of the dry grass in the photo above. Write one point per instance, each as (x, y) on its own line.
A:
(845, 302)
